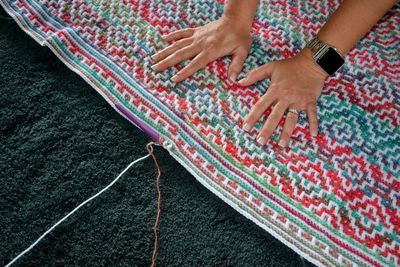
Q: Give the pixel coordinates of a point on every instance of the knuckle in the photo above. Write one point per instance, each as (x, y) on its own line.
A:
(274, 116)
(258, 106)
(287, 131)
(285, 92)
(198, 38)
(302, 106)
(172, 34)
(265, 131)
(162, 54)
(312, 105)
(275, 86)
(243, 50)
(176, 45)
(296, 104)
(286, 100)
(164, 50)
(180, 43)
(257, 71)
(246, 43)
(251, 118)
(182, 75)
(166, 62)
(285, 135)
(178, 54)
(208, 56)
(161, 63)
(253, 75)
(309, 99)
(235, 67)
(192, 66)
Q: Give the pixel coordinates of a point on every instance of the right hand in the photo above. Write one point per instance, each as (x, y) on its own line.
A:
(225, 36)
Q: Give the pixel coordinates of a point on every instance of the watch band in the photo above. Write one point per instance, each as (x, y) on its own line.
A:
(326, 56)
(316, 46)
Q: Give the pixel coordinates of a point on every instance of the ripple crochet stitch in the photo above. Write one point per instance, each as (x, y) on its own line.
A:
(334, 198)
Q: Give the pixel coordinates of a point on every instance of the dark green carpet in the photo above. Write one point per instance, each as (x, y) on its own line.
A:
(61, 142)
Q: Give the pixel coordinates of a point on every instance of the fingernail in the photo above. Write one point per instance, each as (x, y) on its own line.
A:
(314, 133)
(174, 78)
(233, 77)
(282, 143)
(246, 127)
(155, 66)
(153, 57)
(261, 140)
(242, 80)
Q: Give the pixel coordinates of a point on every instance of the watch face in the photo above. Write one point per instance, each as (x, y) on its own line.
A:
(331, 61)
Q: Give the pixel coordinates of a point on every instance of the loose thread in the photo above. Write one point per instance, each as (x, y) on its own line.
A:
(149, 148)
(153, 259)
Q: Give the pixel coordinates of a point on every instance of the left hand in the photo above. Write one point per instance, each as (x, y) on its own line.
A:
(295, 83)
(225, 36)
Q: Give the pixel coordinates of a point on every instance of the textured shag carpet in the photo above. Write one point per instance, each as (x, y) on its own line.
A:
(58, 147)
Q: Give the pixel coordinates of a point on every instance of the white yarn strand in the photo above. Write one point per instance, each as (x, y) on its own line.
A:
(74, 210)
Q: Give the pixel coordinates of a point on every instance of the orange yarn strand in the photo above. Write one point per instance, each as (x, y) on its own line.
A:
(158, 201)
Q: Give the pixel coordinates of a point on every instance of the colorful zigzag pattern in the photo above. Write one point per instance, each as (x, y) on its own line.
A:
(334, 198)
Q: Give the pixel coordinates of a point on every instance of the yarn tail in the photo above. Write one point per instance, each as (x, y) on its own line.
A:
(149, 148)
(153, 259)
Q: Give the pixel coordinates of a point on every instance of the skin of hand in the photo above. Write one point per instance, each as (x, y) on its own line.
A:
(295, 83)
(229, 35)
(205, 44)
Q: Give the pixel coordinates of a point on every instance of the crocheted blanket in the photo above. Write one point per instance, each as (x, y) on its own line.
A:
(333, 198)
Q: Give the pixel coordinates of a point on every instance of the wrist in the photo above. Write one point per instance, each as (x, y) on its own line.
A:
(306, 56)
(237, 21)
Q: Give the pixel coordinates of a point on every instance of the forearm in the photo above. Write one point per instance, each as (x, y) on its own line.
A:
(351, 21)
(241, 11)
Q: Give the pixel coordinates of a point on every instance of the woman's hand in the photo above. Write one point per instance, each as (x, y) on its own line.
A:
(295, 83)
(225, 36)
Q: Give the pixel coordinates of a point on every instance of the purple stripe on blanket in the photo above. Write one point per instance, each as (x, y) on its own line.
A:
(150, 132)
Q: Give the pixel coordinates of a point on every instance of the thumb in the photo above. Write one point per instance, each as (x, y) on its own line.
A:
(237, 63)
(257, 74)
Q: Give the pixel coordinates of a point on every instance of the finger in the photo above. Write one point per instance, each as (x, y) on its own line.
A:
(312, 119)
(258, 109)
(271, 123)
(288, 127)
(170, 49)
(179, 34)
(257, 74)
(175, 58)
(197, 63)
(237, 64)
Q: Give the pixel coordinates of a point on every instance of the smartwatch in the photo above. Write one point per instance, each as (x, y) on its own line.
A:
(326, 56)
